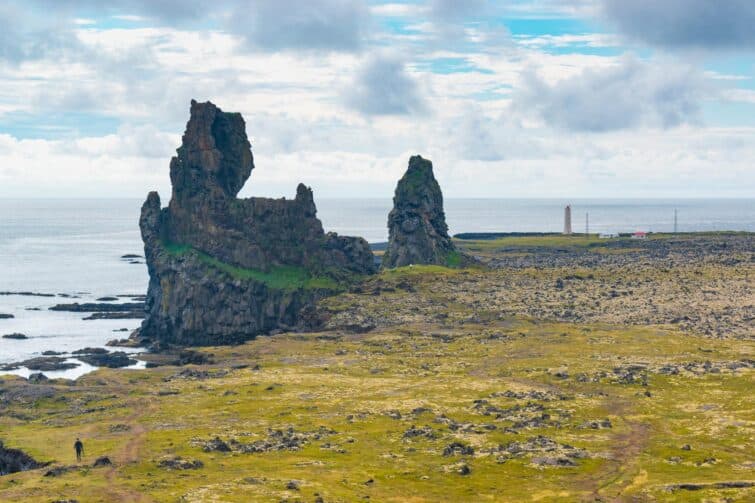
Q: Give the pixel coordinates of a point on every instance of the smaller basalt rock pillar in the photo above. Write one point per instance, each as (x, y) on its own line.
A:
(418, 233)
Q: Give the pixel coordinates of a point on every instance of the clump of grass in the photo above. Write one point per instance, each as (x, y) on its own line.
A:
(453, 259)
(559, 241)
(176, 249)
(414, 270)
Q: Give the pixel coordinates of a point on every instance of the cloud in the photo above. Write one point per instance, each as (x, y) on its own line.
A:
(332, 25)
(384, 87)
(678, 24)
(455, 10)
(171, 11)
(24, 36)
(452, 20)
(397, 10)
(631, 94)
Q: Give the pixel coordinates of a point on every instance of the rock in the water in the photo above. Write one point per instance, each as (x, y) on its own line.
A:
(29, 294)
(43, 363)
(92, 307)
(16, 336)
(4, 316)
(90, 351)
(224, 269)
(418, 233)
(110, 360)
(124, 343)
(125, 315)
(104, 311)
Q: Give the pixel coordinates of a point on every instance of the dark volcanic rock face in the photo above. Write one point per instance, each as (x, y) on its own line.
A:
(221, 268)
(418, 233)
(14, 460)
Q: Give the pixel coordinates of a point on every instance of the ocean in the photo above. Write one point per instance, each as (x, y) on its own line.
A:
(72, 248)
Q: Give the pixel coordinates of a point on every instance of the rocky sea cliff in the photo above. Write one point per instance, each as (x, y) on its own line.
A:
(224, 269)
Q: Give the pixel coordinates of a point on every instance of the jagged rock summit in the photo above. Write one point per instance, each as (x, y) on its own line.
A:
(224, 269)
(417, 228)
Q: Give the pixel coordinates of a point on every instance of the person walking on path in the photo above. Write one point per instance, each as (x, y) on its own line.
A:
(79, 447)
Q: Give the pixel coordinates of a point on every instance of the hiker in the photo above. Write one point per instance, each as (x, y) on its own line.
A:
(79, 447)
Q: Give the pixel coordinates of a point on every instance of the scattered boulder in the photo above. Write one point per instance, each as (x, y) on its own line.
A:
(216, 445)
(596, 424)
(179, 463)
(552, 461)
(458, 449)
(736, 484)
(37, 378)
(57, 471)
(102, 461)
(286, 439)
(425, 431)
(542, 451)
(292, 485)
(196, 374)
(418, 233)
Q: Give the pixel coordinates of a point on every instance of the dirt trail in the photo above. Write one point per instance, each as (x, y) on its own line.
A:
(610, 482)
(129, 453)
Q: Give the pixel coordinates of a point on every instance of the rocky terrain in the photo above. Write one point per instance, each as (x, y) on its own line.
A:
(698, 283)
(417, 228)
(436, 384)
(224, 269)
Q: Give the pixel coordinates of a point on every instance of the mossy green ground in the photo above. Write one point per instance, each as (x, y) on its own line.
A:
(371, 388)
(279, 277)
(351, 383)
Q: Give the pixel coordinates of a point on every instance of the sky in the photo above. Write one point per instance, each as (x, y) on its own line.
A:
(518, 98)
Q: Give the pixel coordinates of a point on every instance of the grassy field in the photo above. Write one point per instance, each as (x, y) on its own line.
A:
(355, 399)
(572, 241)
(453, 394)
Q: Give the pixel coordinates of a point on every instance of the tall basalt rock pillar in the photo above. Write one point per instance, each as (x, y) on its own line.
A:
(417, 228)
(224, 269)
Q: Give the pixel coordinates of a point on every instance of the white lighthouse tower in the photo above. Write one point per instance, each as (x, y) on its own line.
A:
(567, 219)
